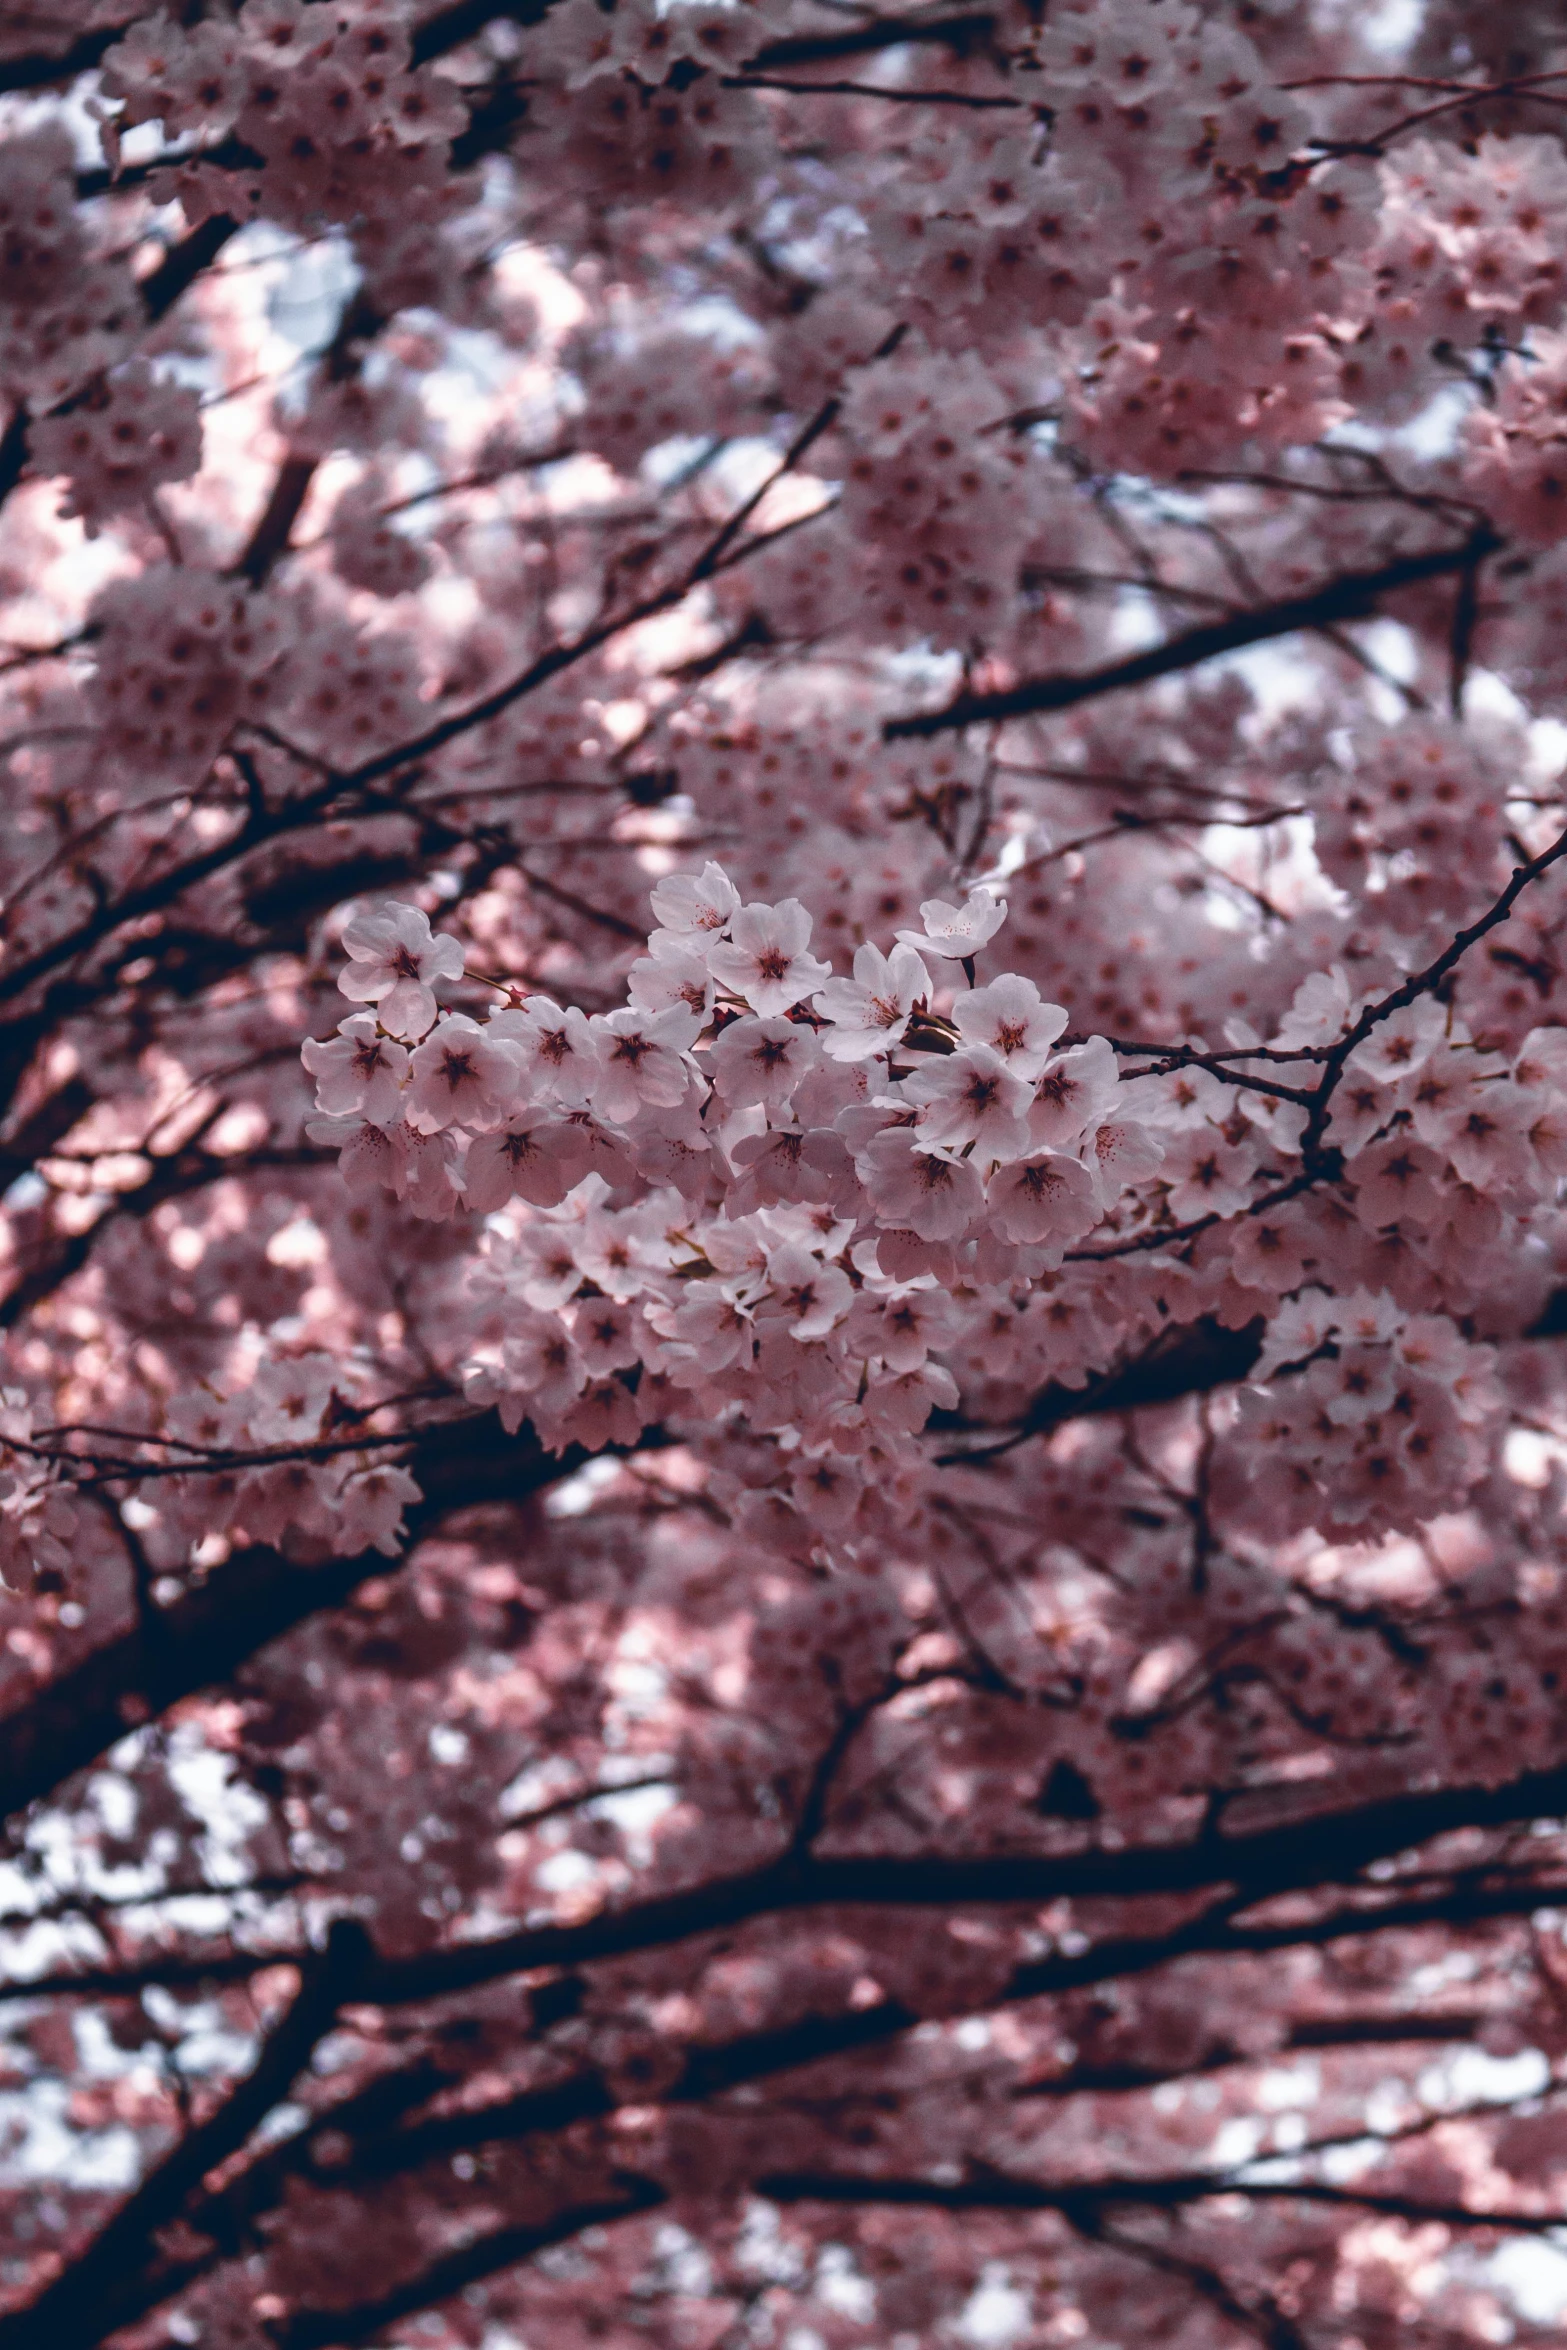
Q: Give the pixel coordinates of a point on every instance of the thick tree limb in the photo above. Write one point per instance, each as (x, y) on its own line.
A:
(1264, 2318)
(1324, 1848)
(963, 33)
(42, 71)
(145, 2278)
(13, 451)
(290, 488)
(1352, 595)
(340, 363)
(183, 263)
(323, 2329)
(85, 2288)
(448, 28)
(1191, 1359)
(258, 1595)
(1084, 2203)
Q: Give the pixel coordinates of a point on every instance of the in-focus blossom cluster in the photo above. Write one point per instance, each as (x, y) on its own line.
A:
(748, 1194)
(813, 1209)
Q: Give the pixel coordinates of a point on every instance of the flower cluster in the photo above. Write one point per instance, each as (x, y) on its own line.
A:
(1516, 455)
(182, 654)
(645, 112)
(1467, 247)
(927, 1268)
(368, 551)
(664, 386)
(1402, 827)
(322, 90)
(1380, 1424)
(327, 1495)
(64, 313)
(751, 1185)
(931, 499)
(119, 440)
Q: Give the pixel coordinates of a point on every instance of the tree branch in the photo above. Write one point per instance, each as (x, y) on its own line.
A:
(1321, 1849)
(258, 1595)
(183, 263)
(1353, 595)
(40, 72)
(86, 2285)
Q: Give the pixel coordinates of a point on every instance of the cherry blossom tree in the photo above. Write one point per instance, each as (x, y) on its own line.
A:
(783, 1088)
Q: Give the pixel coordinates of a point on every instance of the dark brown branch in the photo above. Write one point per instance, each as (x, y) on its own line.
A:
(255, 1597)
(446, 29)
(85, 2287)
(992, 2190)
(222, 2218)
(1321, 1849)
(971, 99)
(41, 72)
(13, 451)
(1192, 1359)
(1265, 2319)
(324, 2329)
(381, 2152)
(258, 1595)
(151, 898)
(340, 362)
(964, 34)
(269, 539)
(1353, 595)
(313, 807)
(165, 1971)
(1083, 2203)
(175, 1176)
(1466, 615)
(44, 1127)
(183, 263)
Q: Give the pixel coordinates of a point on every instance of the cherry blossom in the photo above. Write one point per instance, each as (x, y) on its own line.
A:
(531, 1158)
(395, 963)
(1072, 1093)
(561, 1053)
(641, 1059)
(359, 1071)
(812, 1296)
(936, 1196)
(972, 1100)
(1008, 1018)
(1052, 1197)
(764, 958)
(462, 1074)
(953, 932)
(870, 1013)
(703, 904)
(761, 1061)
